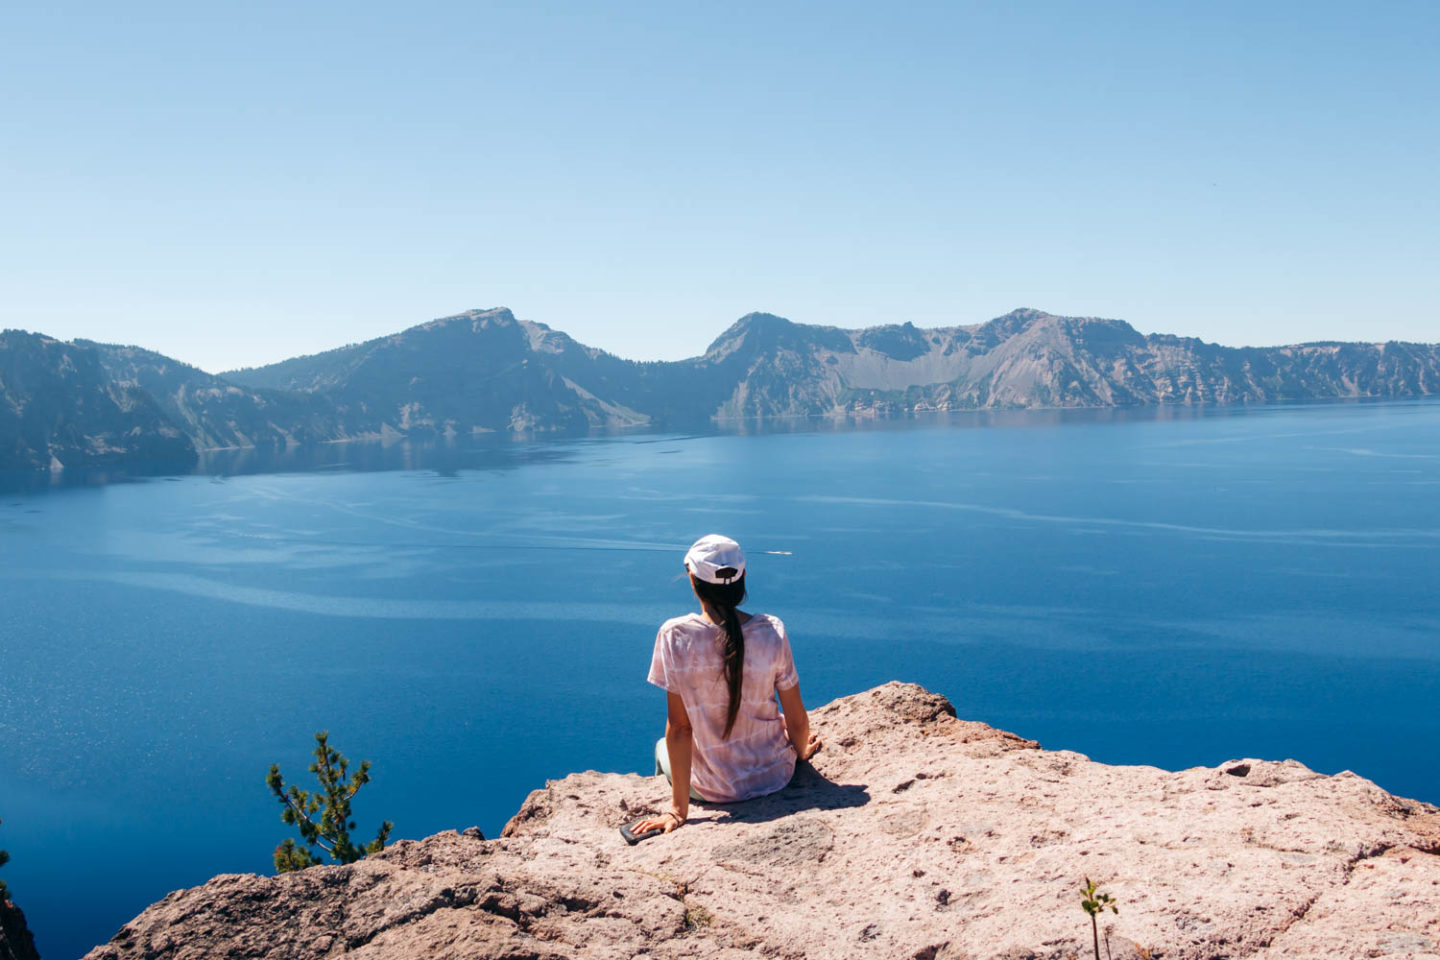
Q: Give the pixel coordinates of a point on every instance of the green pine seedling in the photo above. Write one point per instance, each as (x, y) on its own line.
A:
(330, 833)
(1096, 903)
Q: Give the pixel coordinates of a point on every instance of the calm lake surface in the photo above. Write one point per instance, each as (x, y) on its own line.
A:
(1175, 588)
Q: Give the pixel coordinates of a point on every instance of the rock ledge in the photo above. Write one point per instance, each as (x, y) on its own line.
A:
(914, 835)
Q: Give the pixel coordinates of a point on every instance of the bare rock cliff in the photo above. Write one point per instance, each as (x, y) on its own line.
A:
(485, 371)
(914, 835)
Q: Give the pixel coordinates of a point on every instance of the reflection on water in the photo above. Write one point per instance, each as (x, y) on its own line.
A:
(447, 457)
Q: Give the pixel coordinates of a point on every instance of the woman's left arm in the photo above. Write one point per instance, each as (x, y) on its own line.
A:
(679, 741)
(797, 723)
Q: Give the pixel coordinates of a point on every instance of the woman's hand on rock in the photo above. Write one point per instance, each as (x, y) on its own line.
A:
(811, 748)
(666, 821)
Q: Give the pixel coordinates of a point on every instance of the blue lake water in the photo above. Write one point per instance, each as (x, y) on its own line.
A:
(1174, 588)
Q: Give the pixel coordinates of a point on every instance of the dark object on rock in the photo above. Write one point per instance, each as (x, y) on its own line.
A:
(632, 838)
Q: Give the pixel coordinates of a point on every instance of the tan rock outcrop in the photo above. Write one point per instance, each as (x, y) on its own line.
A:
(914, 835)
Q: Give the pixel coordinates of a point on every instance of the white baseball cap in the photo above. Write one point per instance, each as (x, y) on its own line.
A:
(715, 559)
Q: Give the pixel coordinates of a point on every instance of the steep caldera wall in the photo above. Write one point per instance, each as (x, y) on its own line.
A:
(484, 371)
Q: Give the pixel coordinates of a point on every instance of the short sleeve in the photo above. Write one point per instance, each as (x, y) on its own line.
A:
(785, 676)
(659, 667)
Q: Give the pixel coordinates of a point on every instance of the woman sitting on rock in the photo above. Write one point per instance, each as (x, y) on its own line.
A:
(725, 740)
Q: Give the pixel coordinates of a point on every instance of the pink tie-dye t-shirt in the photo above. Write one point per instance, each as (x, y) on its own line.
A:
(757, 758)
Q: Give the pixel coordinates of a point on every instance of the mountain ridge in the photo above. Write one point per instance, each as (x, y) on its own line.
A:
(486, 371)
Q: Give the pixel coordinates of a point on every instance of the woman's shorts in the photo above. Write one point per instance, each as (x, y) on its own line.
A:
(662, 765)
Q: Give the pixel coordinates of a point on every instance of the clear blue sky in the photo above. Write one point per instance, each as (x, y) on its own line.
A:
(237, 183)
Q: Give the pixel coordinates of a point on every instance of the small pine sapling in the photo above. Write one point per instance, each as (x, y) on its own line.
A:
(330, 832)
(1096, 903)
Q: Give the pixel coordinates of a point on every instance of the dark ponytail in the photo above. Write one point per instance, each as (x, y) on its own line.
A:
(725, 597)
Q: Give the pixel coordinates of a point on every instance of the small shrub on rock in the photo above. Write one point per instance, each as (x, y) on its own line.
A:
(323, 816)
(1096, 903)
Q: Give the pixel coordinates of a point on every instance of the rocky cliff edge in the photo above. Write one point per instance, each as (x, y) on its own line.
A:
(914, 835)
(16, 942)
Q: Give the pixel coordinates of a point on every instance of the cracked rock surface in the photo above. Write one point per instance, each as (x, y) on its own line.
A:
(914, 835)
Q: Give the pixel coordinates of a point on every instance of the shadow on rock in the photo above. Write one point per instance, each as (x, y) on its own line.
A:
(807, 790)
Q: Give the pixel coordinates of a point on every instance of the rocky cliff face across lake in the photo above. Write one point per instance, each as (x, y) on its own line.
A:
(484, 371)
(914, 835)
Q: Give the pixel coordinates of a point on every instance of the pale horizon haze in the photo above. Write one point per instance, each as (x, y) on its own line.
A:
(234, 185)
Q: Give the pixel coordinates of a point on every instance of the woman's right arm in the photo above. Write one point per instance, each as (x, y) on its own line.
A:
(797, 723)
(680, 742)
